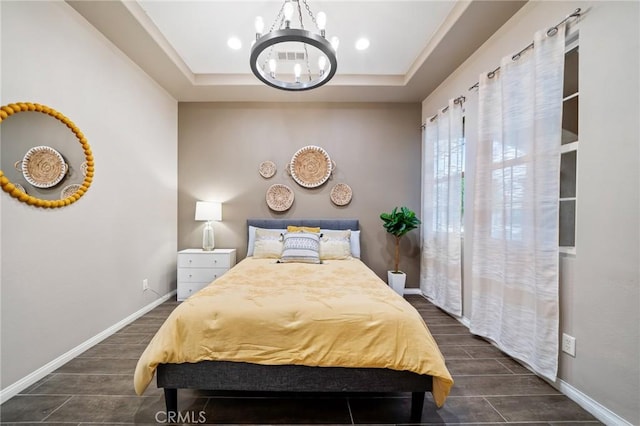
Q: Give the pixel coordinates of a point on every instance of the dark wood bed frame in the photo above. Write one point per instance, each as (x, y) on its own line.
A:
(239, 376)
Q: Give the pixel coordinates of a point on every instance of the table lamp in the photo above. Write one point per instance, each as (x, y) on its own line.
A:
(209, 211)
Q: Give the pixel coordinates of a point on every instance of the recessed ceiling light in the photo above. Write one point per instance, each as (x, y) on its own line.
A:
(234, 43)
(362, 43)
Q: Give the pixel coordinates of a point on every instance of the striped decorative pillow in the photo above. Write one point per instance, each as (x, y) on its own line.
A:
(301, 247)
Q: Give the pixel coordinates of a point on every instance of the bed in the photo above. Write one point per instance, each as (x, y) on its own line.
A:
(270, 326)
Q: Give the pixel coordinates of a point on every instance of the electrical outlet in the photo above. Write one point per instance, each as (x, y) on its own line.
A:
(145, 284)
(569, 344)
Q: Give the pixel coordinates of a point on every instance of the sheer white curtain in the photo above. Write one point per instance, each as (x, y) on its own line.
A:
(515, 253)
(443, 156)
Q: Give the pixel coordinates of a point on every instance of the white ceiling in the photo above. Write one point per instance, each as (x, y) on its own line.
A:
(415, 44)
(398, 31)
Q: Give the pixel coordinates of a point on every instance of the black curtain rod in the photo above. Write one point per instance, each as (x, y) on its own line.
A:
(459, 100)
(550, 33)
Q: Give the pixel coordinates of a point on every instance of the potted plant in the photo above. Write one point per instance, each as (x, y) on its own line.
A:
(398, 223)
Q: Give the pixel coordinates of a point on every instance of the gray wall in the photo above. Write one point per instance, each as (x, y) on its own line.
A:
(600, 285)
(376, 148)
(68, 274)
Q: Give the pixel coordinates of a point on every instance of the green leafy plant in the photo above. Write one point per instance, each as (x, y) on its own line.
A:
(398, 223)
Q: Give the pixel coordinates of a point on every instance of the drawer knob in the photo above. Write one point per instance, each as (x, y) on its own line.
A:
(189, 260)
(190, 275)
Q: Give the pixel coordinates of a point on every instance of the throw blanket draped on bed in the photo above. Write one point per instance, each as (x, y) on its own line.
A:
(338, 314)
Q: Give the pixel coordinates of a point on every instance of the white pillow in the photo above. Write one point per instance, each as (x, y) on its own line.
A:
(268, 244)
(252, 237)
(335, 245)
(354, 242)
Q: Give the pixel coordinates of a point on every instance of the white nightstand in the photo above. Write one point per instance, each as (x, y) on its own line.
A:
(197, 268)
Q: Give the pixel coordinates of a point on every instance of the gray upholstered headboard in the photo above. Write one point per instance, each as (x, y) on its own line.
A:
(338, 224)
(322, 223)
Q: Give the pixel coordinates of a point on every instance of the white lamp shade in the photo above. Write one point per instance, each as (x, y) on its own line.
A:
(208, 210)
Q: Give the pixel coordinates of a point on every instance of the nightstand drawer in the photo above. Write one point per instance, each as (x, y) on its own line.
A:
(204, 260)
(187, 289)
(198, 268)
(199, 275)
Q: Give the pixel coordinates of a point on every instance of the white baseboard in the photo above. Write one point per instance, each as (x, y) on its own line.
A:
(596, 409)
(593, 407)
(15, 388)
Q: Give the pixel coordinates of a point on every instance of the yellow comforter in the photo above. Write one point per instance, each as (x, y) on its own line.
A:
(337, 314)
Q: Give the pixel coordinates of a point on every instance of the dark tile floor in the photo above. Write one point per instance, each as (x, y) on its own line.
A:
(97, 387)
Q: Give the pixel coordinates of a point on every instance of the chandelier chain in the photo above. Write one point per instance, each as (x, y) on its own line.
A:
(279, 17)
(306, 51)
(306, 55)
(313, 18)
(300, 14)
(266, 59)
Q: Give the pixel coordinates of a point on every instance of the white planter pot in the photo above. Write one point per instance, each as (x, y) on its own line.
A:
(397, 281)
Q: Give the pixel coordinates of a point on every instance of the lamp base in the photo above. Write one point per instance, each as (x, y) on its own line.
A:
(208, 242)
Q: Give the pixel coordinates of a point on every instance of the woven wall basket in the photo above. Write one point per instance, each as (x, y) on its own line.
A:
(279, 197)
(43, 167)
(267, 169)
(341, 194)
(311, 166)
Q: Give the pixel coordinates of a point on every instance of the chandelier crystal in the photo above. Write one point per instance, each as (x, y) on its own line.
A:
(293, 58)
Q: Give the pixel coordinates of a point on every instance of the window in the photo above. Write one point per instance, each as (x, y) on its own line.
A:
(569, 151)
(448, 167)
(508, 178)
(463, 149)
(508, 186)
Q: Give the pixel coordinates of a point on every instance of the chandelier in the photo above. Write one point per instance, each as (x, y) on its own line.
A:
(279, 56)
